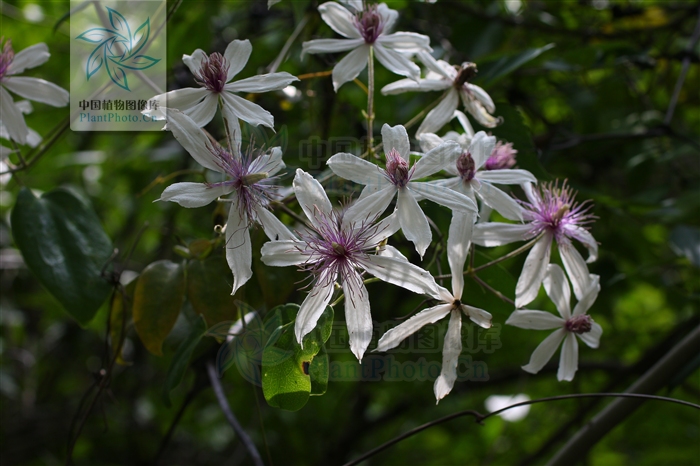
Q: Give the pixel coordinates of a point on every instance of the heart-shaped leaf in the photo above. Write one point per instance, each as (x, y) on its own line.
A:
(209, 289)
(160, 290)
(64, 245)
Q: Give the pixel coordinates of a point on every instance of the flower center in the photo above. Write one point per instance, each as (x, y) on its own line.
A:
(6, 57)
(466, 166)
(503, 156)
(465, 73)
(213, 72)
(397, 168)
(457, 304)
(370, 24)
(579, 324)
(338, 248)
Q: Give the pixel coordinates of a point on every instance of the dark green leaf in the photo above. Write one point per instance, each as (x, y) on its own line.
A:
(209, 289)
(178, 365)
(64, 245)
(158, 298)
(493, 71)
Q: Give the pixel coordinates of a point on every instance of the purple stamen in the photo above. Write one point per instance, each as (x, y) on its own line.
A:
(503, 156)
(370, 23)
(466, 166)
(554, 210)
(579, 324)
(213, 72)
(6, 57)
(397, 168)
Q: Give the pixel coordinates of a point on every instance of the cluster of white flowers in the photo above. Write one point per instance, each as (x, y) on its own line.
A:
(340, 246)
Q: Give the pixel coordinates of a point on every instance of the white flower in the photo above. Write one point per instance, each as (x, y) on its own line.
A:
(552, 212)
(34, 89)
(569, 324)
(367, 27)
(384, 184)
(473, 179)
(498, 402)
(33, 138)
(214, 73)
(337, 249)
(452, 304)
(249, 182)
(443, 76)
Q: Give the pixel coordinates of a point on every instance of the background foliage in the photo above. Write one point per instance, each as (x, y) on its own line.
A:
(593, 109)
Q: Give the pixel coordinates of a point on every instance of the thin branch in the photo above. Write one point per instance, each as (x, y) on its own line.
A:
(223, 403)
(684, 71)
(287, 45)
(479, 417)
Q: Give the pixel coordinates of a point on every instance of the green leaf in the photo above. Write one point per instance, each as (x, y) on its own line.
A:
(178, 365)
(491, 72)
(209, 289)
(158, 298)
(64, 245)
(290, 372)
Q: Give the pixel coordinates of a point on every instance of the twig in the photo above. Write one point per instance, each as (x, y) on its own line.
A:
(482, 417)
(684, 71)
(287, 45)
(223, 403)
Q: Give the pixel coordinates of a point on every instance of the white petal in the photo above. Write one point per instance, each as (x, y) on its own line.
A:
(458, 242)
(239, 253)
(193, 139)
(194, 194)
(405, 42)
(262, 83)
(507, 176)
(481, 147)
(270, 162)
(388, 16)
(500, 202)
(557, 288)
(370, 207)
(401, 273)
(248, 111)
(544, 352)
(311, 196)
(203, 112)
(396, 137)
(414, 223)
(237, 54)
(568, 361)
(585, 237)
(493, 234)
(533, 272)
(339, 19)
(576, 268)
(283, 253)
(350, 66)
(396, 335)
(592, 338)
(313, 306)
(464, 122)
(194, 61)
(12, 118)
(38, 90)
(451, 350)
(478, 316)
(429, 141)
(33, 138)
(273, 227)
(396, 62)
(437, 159)
(181, 99)
(477, 110)
(534, 320)
(410, 85)
(233, 130)
(357, 315)
(447, 197)
(384, 229)
(330, 45)
(440, 115)
(353, 168)
(437, 66)
(30, 57)
(589, 296)
(482, 97)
